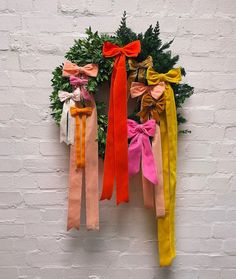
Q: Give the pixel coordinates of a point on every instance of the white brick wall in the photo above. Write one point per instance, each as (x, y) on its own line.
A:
(34, 244)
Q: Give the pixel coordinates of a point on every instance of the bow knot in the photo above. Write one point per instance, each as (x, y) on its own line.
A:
(70, 69)
(140, 146)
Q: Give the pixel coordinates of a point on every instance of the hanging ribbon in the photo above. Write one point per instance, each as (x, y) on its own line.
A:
(80, 114)
(140, 148)
(88, 166)
(81, 83)
(71, 69)
(153, 194)
(116, 156)
(168, 126)
(138, 70)
(67, 122)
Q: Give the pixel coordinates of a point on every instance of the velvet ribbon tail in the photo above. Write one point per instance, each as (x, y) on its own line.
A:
(116, 156)
(154, 193)
(67, 123)
(91, 172)
(166, 225)
(90, 179)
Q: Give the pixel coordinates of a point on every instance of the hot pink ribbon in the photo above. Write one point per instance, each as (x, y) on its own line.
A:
(81, 82)
(140, 146)
(70, 69)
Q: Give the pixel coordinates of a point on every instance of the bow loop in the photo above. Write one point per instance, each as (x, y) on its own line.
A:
(70, 69)
(131, 50)
(172, 76)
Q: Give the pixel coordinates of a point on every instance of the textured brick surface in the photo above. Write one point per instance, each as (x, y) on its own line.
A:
(34, 244)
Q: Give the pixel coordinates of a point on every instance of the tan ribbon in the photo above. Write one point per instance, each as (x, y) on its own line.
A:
(90, 172)
(154, 194)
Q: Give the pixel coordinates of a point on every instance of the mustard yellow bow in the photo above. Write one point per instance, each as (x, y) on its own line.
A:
(168, 127)
(173, 76)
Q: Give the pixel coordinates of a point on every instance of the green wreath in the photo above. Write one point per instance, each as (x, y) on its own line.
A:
(89, 50)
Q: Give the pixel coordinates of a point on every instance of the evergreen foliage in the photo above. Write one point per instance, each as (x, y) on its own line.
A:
(89, 50)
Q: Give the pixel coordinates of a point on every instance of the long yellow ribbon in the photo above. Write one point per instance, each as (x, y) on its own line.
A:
(168, 126)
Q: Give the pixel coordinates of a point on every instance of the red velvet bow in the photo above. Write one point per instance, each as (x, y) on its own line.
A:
(116, 157)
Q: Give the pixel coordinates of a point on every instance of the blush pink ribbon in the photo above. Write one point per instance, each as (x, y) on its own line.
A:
(81, 83)
(138, 88)
(71, 69)
(140, 148)
(87, 178)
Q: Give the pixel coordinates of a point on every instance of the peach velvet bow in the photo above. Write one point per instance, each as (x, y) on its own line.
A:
(71, 69)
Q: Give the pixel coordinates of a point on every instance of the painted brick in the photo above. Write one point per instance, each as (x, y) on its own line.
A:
(34, 243)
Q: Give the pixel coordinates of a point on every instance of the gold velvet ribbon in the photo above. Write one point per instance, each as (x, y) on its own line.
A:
(138, 70)
(151, 107)
(168, 125)
(80, 114)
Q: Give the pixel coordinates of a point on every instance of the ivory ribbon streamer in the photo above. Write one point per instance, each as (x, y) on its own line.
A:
(67, 122)
(116, 156)
(138, 70)
(168, 126)
(153, 194)
(140, 148)
(71, 69)
(90, 179)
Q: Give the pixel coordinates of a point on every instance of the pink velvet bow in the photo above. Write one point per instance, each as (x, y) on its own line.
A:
(81, 82)
(138, 88)
(140, 146)
(70, 69)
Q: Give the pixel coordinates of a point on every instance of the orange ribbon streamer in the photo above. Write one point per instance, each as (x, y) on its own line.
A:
(80, 113)
(116, 156)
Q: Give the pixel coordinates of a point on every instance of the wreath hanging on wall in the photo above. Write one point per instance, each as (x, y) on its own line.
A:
(150, 131)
